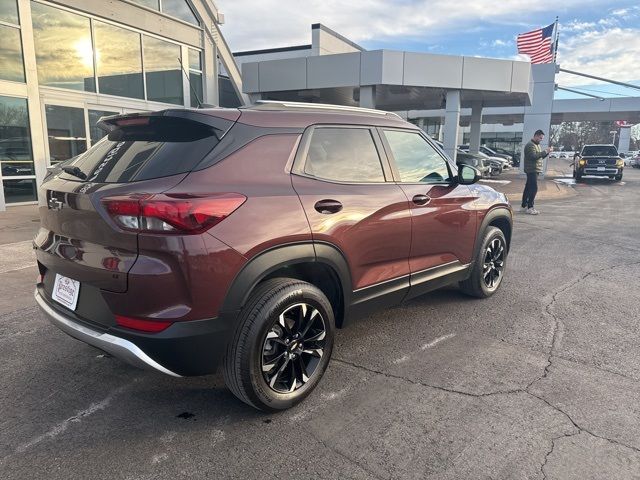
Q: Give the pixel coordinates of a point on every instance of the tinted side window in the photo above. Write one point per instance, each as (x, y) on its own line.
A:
(416, 160)
(344, 154)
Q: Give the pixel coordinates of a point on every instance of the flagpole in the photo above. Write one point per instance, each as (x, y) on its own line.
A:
(555, 47)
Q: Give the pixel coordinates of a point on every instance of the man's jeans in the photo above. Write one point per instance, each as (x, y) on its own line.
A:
(530, 190)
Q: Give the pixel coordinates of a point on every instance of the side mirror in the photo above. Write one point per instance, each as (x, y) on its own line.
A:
(468, 175)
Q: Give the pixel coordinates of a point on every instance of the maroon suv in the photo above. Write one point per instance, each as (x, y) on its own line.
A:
(186, 239)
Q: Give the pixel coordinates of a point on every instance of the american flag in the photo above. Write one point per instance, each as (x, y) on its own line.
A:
(538, 44)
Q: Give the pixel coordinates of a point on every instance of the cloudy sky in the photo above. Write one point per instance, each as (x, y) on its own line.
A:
(596, 36)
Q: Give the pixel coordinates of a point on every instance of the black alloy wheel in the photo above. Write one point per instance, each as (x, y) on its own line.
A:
(281, 345)
(489, 267)
(493, 265)
(293, 348)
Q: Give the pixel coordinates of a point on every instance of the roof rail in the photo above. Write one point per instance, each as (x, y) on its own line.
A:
(274, 104)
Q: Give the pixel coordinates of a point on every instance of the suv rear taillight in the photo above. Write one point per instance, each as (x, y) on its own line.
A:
(172, 212)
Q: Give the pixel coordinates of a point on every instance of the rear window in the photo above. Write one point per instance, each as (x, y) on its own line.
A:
(599, 151)
(166, 146)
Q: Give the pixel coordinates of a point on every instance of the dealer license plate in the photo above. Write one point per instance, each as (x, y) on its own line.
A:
(66, 291)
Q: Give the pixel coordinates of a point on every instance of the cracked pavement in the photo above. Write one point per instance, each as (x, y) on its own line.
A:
(540, 381)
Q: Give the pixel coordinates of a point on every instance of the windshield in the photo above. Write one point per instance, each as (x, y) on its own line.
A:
(599, 151)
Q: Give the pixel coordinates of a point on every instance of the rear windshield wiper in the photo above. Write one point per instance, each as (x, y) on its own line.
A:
(75, 171)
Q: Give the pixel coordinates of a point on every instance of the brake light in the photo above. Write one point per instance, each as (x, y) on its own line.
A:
(151, 326)
(172, 213)
(129, 122)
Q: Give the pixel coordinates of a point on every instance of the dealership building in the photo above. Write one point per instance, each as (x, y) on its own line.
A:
(66, 63)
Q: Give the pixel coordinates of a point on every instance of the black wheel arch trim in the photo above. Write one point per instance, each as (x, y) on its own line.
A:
(269, 261)
(497, 213)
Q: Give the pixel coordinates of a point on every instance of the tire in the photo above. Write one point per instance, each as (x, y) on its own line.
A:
(617, 178)
(477, 285)
(261, 339)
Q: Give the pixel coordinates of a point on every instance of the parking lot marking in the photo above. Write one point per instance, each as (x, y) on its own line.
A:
(402, 359)
(503, 182)
(432, 344)
(77, 418)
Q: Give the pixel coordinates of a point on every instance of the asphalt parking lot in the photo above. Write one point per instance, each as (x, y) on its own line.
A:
(540, 381)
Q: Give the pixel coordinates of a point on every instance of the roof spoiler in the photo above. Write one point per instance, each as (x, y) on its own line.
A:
(221, 123)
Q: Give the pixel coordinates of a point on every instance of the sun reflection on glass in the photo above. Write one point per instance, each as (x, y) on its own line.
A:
(84, 50)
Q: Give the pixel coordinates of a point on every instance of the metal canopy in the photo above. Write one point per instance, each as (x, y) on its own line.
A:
(402, 80)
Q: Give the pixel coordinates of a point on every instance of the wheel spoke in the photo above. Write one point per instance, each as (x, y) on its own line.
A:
(275, 378)
(309, 322)
(267, 367)
(282, 321)
(317, 337)
(302, 318)
(303, 370)
(316, 352)
(294, 379)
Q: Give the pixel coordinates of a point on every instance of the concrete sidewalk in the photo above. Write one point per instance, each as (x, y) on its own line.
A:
(19, 224)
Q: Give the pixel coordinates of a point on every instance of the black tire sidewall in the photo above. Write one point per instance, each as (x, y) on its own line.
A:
(259, 391)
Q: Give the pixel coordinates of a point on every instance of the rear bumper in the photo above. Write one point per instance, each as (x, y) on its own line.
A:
(183, 349)
(116, 346)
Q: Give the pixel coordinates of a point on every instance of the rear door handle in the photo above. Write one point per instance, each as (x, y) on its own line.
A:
(328, 207)
(421, 199)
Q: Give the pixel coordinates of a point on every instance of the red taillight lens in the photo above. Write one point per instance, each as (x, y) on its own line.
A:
(134, 121)
(151, 326)
(172, 213)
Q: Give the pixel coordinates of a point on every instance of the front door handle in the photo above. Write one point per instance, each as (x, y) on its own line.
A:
(421, 199)
(328, 207)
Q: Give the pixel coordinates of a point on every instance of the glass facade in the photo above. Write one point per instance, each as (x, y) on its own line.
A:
(195, 77)
(162, 71)
(65, 132)
(195, 59)
(95, 132)
(9, 11)
(11, 64)
(155, 4)
(179, 9)
(59, 34)
(20, 190)
(119, 59)
(16, 155)
(86, 67)
(176, 8)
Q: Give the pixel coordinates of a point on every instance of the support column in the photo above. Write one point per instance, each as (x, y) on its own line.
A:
(254, 97)
(452, 123)
(368, 96)
(476, 127)
(538, 115)
(624, 140)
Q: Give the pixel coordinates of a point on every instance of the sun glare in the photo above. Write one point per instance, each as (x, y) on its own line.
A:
(85, 51)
